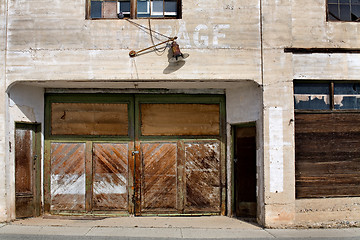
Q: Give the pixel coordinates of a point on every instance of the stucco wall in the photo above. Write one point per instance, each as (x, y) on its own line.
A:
(54, 41)
(3, 139)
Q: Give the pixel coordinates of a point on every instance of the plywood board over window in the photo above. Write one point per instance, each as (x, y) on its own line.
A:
(89, 119)
(180, 119)
(327, 139)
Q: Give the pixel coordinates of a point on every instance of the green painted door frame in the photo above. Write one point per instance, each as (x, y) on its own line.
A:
(134, 137)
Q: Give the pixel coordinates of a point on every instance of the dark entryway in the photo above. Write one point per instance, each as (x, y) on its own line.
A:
(27, 170)
(245, 171)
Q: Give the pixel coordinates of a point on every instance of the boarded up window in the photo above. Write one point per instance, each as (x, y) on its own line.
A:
(89, 119)
(180, 119)
(327, 148)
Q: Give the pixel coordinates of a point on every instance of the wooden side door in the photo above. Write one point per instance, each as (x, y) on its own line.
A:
(27, 170)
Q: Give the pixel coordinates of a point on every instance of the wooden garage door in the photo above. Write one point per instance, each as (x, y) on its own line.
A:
(327, 148)
(179, 175)
(140, 155)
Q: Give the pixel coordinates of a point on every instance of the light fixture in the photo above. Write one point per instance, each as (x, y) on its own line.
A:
(177, 54)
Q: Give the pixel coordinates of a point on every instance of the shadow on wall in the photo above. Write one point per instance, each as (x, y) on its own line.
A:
(26, 103)
(173, 66)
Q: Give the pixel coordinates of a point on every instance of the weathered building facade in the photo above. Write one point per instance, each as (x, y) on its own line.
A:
(261, 120)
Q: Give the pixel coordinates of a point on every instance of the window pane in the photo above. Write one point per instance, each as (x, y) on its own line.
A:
(333, 12)
(170, 7)
(157, 8)
(143, 8)
(355, 12)
(347, 95)
(124, 7)
(345, 12)
(311, 96)
(96, 9)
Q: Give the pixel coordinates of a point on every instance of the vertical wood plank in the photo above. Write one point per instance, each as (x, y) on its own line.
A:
(131, 174)
(47, 176)
(37, 150)
(88, 176)
(133, 9)
(181, 177)
(138, 178)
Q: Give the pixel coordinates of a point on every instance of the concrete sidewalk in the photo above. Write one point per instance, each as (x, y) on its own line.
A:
(216, 227)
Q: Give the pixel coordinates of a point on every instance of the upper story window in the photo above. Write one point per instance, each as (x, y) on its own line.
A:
(329, 96)
(98, 9)
(343, 10)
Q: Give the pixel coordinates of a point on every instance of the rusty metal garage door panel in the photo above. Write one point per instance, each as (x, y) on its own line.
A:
(202, 169)
(68, 176)
(110, 176)
(159, 177)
